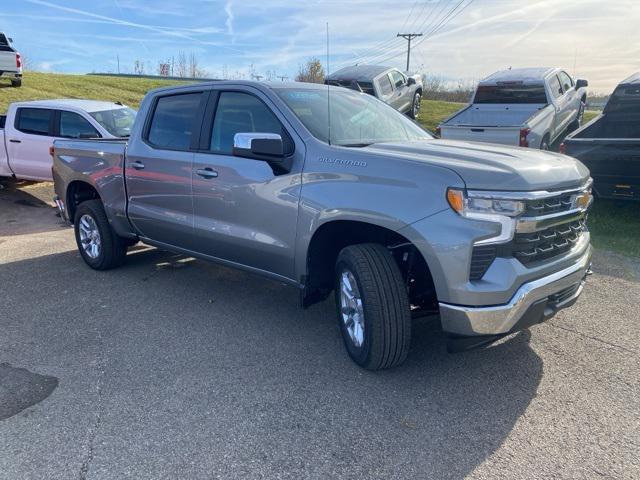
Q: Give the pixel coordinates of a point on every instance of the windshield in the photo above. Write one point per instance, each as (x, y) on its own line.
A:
(521, 94)
(118, 122)
(357, 119)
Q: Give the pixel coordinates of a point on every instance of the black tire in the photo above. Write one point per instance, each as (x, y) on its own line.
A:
(577, 123)
(544, 144)
(384, 299)
(16, 83)
(113, 249)
(415, 106)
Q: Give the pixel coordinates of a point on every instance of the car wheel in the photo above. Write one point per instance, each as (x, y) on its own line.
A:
(16, 83)
(372, 306)
(415, 106)
(98, 244)
(544, 144)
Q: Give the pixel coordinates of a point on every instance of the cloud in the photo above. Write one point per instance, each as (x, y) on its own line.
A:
(229, 21)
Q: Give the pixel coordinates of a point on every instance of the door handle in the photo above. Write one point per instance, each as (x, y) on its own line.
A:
(207, 172)
(13, 140)
(137, 165)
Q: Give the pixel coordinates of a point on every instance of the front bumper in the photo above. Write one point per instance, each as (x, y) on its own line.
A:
(533, 302)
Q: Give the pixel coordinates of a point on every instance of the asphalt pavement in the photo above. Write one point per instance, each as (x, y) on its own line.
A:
(175, 368)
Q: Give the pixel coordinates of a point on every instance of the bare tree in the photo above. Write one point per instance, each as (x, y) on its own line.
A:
(181, 66)
(311, 72)
(138, 67)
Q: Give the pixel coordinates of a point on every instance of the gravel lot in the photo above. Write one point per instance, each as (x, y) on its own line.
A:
(175, 368)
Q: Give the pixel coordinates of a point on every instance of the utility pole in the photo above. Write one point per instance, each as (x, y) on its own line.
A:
(408, 37)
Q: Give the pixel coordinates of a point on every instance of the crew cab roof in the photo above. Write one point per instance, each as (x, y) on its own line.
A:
(358, 73)
(533, 75)
(85, 105)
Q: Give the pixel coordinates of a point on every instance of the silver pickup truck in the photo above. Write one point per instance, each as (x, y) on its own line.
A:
(526, 107)
(331, 190)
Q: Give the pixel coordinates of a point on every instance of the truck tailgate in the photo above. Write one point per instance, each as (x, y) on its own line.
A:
(8, 61)
(500, 135)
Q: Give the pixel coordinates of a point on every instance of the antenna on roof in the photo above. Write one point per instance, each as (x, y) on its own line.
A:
(328, 92)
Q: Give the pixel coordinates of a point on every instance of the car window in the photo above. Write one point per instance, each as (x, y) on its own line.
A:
(73, 125)
(398, 78)
(117, 121)
(239, 112)
(555, 87)
(34, 120)
(565, 80)
(173, 121)
(517, 93)
(385, 85)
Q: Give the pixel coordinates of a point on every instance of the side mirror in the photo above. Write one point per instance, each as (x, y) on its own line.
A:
(581, 83)
(267, 147)
(10, 39)
(411, 81)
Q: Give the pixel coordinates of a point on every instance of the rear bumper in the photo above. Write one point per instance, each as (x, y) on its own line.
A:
(533, 302)
(12, 75)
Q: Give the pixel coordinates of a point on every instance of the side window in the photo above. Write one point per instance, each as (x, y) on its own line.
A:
(567, 82)
(398, 78)
(385, 85)
(554, 86)
(173, 121)
(73, 125)
(35, 121)
(241, 113)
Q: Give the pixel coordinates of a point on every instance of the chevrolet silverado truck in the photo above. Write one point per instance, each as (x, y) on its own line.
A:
(330, 190)
(609, 145)
(526, 107)
(402, 91)
(28, 130)
(10, 61)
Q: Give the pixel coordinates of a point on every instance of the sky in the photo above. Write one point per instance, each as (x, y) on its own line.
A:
(594, 39)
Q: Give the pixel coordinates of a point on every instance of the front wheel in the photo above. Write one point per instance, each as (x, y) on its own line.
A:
(98, 244)
(415, 106)
(372, 306)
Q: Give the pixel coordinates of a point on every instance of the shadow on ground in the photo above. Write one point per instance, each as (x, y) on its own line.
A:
(207, 369)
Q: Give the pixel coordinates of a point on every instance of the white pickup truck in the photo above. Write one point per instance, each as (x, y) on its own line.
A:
(28, 130)
(10, 61)
(527, 107)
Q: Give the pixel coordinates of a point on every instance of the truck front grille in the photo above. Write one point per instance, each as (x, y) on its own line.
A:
(548, 206)
(531, 248)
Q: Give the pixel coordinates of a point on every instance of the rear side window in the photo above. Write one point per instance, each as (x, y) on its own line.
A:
(516, 93)
(174, 120)
(385, 85)
(73, 125)
(34, 121)
(242, 113)
(555, 87)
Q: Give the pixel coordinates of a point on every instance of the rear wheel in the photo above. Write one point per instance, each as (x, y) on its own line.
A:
(16, 83)
(372, 306)
(415, 106)
(98, 244)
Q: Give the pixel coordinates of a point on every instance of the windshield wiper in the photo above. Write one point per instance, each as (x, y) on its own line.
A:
(355, 145)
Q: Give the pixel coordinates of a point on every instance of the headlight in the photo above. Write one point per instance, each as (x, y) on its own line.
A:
(476, 204)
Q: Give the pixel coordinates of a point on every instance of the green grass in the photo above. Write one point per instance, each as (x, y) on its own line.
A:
(615, 225)
(42, 86)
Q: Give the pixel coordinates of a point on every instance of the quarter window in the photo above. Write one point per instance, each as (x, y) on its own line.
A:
(174, 120)
(73, 125)
(242, 113)
(34, 120)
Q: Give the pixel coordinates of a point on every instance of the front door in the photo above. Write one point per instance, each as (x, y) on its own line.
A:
(245, 210)
(28, 141)
(401, 99)
(158, 170)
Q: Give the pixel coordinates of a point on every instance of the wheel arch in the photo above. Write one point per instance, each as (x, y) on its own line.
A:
(332, 236)
(77, 192)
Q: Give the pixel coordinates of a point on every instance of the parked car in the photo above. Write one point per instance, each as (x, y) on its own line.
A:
(527, 107)
(30, 128)
(402, 91)
(372, 207)
(610, 144)
(10, 61)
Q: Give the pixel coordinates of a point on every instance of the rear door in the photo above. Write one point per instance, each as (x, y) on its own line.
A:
(158, 169)
(28, 140)
(246, 211)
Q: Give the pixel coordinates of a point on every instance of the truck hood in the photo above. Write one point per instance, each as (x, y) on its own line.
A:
(485, 166)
